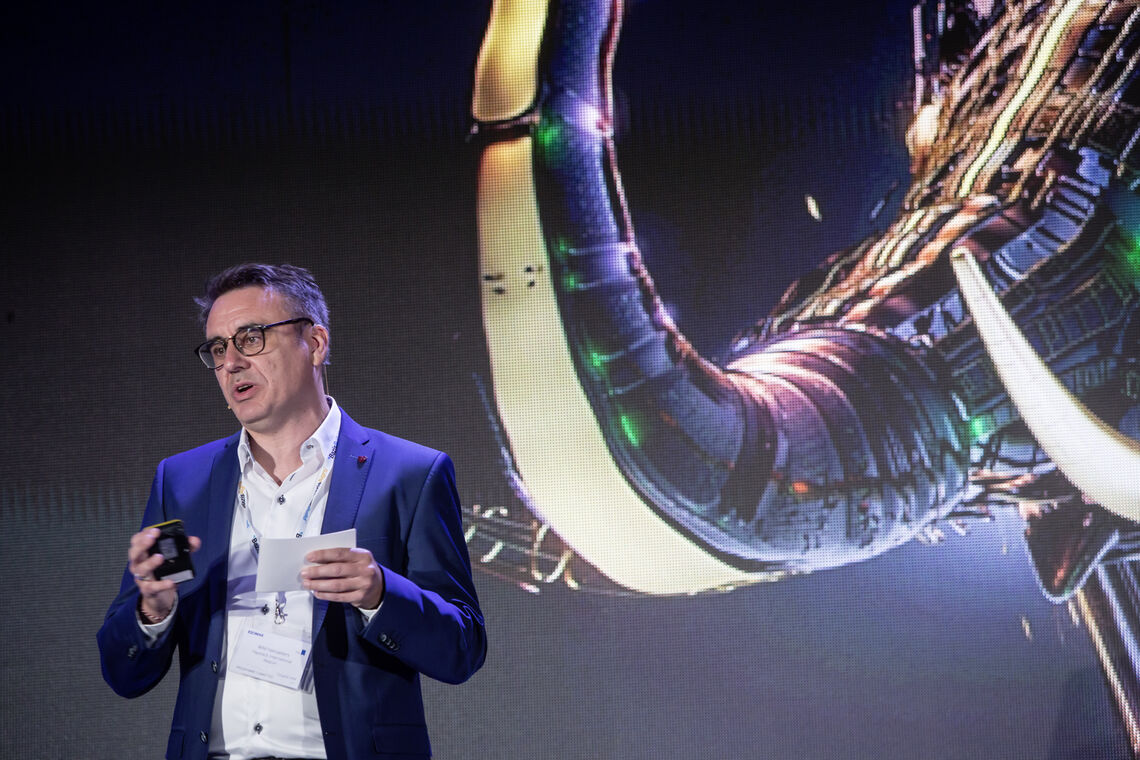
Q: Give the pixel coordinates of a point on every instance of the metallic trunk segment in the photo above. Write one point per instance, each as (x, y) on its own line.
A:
(557, 444)
(851, 419)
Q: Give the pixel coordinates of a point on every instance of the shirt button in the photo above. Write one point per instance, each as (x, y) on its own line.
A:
(281, 499)
(257, 728)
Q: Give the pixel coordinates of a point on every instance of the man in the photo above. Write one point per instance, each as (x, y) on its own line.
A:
(342, 679)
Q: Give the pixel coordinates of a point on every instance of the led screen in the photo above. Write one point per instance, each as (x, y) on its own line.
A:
(787, 355)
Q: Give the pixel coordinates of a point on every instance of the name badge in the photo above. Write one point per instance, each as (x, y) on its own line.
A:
(279, 657)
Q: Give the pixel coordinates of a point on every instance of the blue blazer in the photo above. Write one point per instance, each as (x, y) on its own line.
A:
(401, 499)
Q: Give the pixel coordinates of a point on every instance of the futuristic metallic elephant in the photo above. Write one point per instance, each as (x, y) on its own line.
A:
(984, 347)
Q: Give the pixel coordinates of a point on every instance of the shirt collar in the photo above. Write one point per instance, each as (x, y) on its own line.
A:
(323, 438)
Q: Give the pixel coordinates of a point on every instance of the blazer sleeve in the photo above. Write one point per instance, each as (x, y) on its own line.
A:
(430, 617)
(131, 667)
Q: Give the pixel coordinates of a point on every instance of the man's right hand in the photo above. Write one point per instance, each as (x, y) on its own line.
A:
(157, 596)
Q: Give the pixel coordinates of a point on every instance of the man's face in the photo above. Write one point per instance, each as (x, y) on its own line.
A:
(270, 389)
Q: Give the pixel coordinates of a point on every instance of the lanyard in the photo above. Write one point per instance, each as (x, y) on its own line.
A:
(255, 536)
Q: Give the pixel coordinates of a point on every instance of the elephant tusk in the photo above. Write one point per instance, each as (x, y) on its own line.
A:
(506, 74)
(1100, 461)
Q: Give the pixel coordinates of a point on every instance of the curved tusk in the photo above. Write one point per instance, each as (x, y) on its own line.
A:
(1100, 461)
(506, 74)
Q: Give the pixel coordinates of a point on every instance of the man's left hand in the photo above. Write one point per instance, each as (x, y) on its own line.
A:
(344, 575)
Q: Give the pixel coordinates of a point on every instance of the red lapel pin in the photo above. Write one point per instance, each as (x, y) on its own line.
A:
(361, 459)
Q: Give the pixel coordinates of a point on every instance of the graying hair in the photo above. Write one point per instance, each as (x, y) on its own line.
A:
(295, 284)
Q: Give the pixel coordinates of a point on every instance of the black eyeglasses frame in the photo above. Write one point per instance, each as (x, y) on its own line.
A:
(204, 354)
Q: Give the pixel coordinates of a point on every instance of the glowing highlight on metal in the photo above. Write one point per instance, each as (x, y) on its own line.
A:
(1001, 126)
(630, 430)
(1129, 260)
(547, 136)
(980, 427)
(908, 227)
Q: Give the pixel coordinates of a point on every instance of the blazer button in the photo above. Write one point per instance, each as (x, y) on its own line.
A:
(214, 665)
(132, 652)
(203, 737)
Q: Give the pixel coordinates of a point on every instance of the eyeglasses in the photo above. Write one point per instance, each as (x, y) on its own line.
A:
(248, 340)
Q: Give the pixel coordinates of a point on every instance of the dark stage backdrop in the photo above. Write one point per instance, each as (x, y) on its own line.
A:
(145, 149)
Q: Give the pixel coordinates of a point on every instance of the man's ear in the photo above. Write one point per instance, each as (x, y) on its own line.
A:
(318, 344)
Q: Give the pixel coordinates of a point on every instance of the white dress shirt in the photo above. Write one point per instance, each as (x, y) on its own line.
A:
(253, 718)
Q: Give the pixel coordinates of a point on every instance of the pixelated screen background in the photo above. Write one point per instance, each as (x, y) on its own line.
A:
(145, 147)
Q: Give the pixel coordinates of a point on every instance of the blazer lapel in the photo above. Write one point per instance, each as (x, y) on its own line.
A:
(220, 519)
(354, 457)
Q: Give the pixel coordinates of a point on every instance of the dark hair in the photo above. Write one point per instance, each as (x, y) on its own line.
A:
(295, 284)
